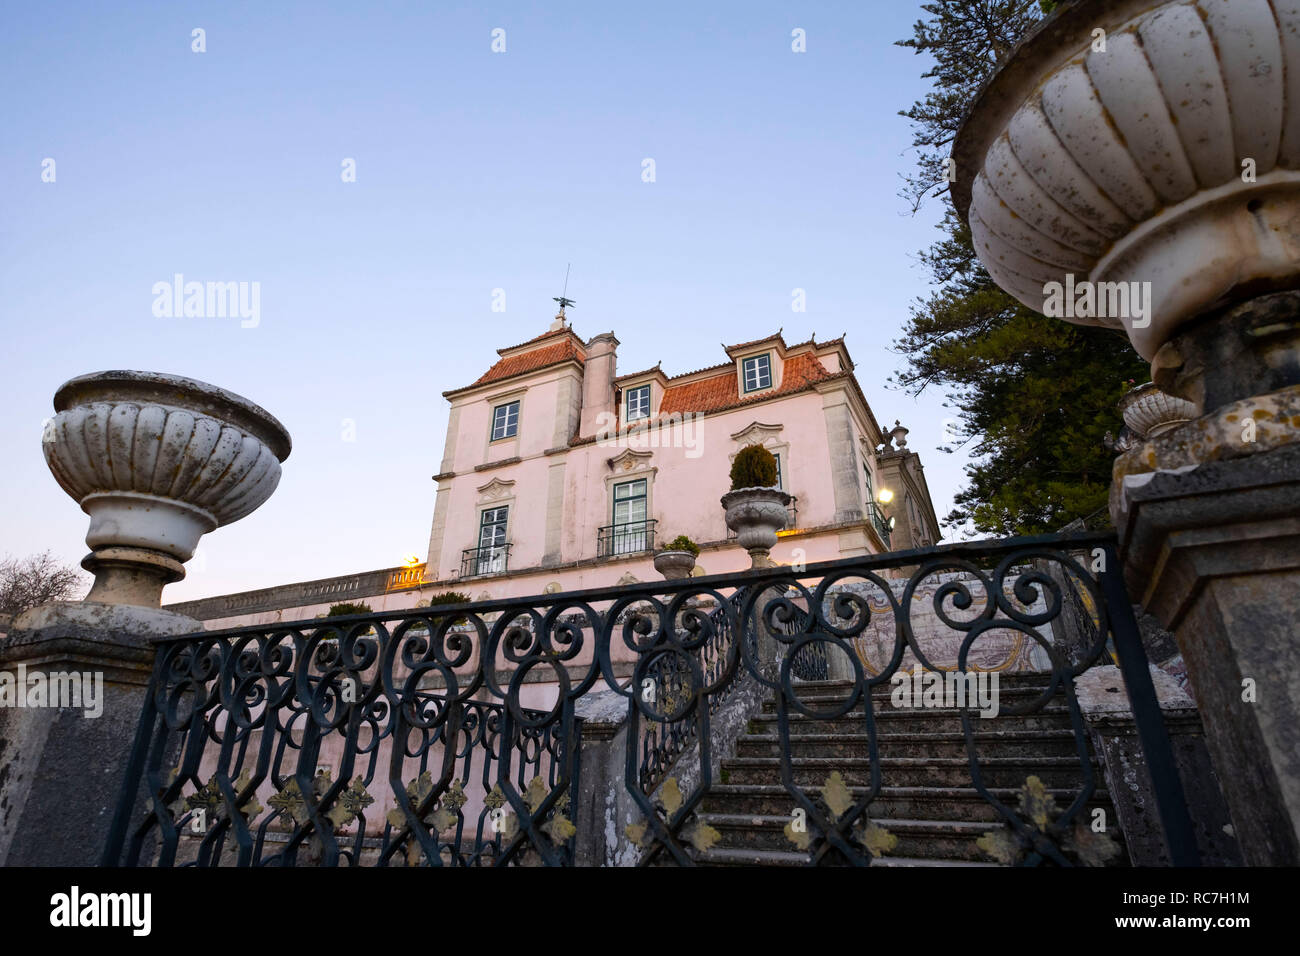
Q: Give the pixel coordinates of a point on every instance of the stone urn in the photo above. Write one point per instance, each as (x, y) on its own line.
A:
(1145, 154)
(756, 515)
(157, 461)
(1136, 164)
(1149, 412)
(675, 565)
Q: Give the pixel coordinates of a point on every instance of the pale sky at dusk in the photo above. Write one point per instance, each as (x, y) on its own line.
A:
(475, 171)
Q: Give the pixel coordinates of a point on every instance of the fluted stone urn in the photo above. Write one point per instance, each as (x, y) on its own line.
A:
(674, 565)
(157, 461)
(1149, 412)
(1136, 164)
(756, 515)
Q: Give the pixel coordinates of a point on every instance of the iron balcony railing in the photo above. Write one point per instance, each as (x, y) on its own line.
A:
(633, 537)
(479, 561)
(879, 522)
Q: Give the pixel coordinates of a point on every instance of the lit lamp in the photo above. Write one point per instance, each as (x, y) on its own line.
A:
(885, 496)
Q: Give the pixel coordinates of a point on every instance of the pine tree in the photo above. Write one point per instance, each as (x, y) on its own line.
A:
(1034, 397)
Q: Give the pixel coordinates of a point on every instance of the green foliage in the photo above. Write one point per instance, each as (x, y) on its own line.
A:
(341, 610)
(1033, 396)
(754, 467)
(683, 543)
(450, 597)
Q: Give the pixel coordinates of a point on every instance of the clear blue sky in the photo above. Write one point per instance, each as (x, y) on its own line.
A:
(475, 171)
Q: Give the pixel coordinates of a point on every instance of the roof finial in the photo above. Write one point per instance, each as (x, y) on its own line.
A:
(560, 322)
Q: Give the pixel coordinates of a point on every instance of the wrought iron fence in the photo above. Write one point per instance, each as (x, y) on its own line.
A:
(450, 750)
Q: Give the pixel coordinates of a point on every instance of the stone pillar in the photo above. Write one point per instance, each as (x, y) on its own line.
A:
(1104, 703)
(156, 461)
(64, 766)
(602, 807)
(1209, 524)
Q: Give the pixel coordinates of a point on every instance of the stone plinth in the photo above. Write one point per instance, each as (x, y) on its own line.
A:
(62, 767)
(1104, 702)
(1209, 524)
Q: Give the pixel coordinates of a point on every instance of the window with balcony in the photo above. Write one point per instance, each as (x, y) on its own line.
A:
(757, 373)
(505, 421)
(631, 531)
(638, 403)
(490, 555)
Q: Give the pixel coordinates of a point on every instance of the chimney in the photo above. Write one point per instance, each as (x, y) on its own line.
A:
(598, 383)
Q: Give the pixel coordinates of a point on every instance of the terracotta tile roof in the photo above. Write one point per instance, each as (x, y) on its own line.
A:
(719, 392)
(767, 338)
(530, 361)
(536, 338)
(645, 371)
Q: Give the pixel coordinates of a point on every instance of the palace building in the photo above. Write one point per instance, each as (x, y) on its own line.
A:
(559, 473)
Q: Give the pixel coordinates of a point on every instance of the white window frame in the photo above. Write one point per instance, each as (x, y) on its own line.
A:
(744, 373)
(627, 404)
(507, 433)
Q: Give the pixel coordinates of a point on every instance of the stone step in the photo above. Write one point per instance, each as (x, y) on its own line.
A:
(922, 803)
(911, 771)
(937, 839)
(1010, 743)
(822, 697)
(889, 719)
(728, 857)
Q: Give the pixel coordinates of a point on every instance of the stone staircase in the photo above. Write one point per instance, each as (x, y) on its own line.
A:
(927, 799)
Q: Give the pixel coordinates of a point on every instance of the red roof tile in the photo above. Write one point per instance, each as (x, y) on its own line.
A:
(718, 392)
(530, 361)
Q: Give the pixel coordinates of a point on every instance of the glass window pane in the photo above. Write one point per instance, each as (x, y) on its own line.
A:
(638, 403)
(505, 421)
(758, 373)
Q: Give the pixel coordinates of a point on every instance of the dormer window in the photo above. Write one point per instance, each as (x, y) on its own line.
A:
(505, 421)
(757, 372)
(638, 403)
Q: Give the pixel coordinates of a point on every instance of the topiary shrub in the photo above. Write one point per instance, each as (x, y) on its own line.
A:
(683, 543)
(342, 610)
(754, 467)
(451, 597)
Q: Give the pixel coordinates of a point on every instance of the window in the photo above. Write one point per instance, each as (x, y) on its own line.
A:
(757, 373)
(505, 421)
(866, 471)
(629, 517)
(638, 403)
(779, 483)
(492, 540)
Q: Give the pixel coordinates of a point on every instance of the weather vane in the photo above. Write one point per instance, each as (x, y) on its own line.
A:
(564, 302)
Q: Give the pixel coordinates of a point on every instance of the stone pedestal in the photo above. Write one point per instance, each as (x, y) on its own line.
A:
(61, 768)
(1209, 523)
(1105, 705)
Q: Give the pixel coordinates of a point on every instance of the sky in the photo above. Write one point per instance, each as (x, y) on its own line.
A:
(475, 171)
